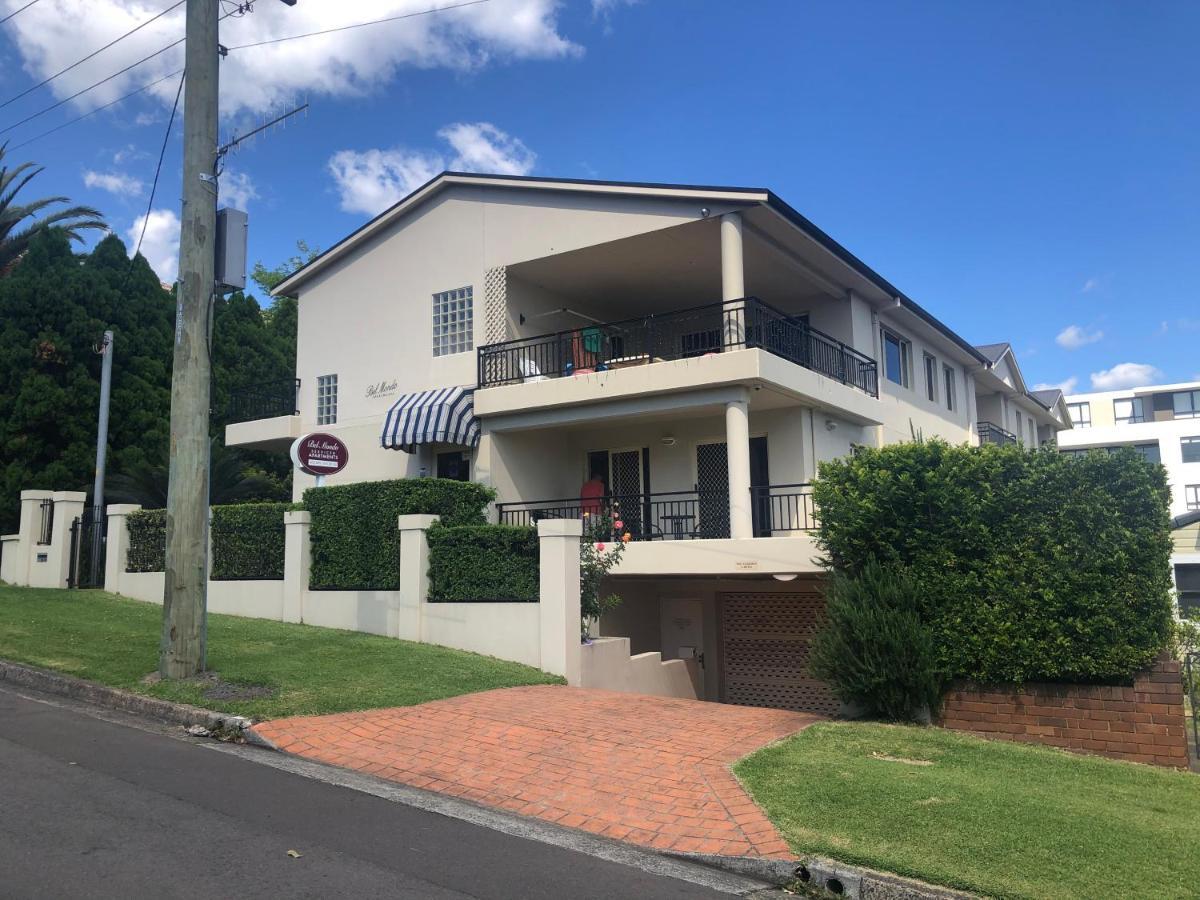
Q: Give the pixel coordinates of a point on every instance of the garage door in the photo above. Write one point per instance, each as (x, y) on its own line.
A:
(764, 639)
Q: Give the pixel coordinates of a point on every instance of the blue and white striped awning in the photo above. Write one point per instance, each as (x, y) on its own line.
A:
(440, 416)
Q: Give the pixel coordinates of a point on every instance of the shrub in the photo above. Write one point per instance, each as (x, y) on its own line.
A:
(602, 547)
(147, 540)
(1032, 566)
(874, 650)
(248, 541)
(479, 563)
(355, 543)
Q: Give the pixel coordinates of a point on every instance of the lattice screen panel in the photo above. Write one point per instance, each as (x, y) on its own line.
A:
(765, 642)
(495, 305)
(712, 485)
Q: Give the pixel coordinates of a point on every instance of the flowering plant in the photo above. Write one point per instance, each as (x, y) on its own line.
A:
(604, 540)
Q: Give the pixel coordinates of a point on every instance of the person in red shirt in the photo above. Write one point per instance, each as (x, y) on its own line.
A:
(591, 495)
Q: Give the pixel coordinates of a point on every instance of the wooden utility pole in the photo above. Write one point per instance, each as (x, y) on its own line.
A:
(182, 648)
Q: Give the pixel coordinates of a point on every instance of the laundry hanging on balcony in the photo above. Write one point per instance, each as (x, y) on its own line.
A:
(439, 416)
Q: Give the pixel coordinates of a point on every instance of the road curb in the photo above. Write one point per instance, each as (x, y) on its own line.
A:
(48, 682)
(826, 877)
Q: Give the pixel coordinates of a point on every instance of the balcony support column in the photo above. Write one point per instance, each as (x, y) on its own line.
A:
(733, 281)
(737, 443)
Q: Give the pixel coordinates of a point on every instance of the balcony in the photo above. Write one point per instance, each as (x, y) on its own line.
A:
(684, 334)
(777, 510)
(994, 434)
(268, 400)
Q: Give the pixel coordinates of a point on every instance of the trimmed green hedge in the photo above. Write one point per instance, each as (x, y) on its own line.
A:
(481, 563)
(1032, 566)
(247, 541)
(355, 542)
(147, 540)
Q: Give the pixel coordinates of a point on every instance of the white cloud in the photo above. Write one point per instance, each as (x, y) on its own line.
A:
(161, 243)
(1073, 337)
(1067, 386)
(1090, 285)
(114, 183)
(1125, 375)
(369, 181)
(48, 38)
(236, 190)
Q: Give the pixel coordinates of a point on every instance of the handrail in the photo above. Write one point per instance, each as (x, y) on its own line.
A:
(265, 401)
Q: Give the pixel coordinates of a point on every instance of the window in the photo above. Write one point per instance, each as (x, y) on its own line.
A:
(1081, 414)
(931, 378)
(326, 399)
(1187, 583)
(1191, 496)
(951, 390)
(455, 466)
(1149, 452)
(1128, 411)
(1191, 448)
(453, 322)
(897, 359)
(1186, 404)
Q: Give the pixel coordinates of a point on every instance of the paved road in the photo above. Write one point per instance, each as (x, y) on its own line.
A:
(92, 808)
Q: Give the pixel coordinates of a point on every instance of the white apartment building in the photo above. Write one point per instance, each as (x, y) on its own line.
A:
(687, 354)
(1162, 422)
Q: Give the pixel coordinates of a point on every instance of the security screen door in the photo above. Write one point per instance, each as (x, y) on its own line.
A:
(712, 489)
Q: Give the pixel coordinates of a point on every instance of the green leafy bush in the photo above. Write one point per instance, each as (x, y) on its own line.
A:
(874, 650)
(355, 543)
(1032, 566)
(147, 540)
(481, 563)
(600, 551)
(248, 541)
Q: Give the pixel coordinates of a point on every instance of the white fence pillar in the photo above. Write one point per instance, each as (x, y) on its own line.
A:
(29, 536)
(297, 563)
(116, 555)
(559, 607)
(414, 575)
(54, 570)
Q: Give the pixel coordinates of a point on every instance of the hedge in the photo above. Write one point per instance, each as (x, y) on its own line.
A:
(480, 563)
(355, 542)
(147, 540)
(1033, 566)
(247, 541)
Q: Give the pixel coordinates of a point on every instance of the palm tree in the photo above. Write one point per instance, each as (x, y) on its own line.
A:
(229, 482)
(14, 239)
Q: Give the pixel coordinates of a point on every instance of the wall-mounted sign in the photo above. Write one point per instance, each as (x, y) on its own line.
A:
(320, 454)
(381, 389)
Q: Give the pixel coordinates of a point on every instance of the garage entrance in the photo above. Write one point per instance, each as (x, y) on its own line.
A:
(764, 649)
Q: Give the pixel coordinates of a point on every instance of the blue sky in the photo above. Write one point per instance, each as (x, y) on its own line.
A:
(1027, 171)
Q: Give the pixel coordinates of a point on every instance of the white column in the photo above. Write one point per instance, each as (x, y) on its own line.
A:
(297, 563)
(733, 280)
(414, 576)
(68, 506)
(29, 530)
(737, 442)
(116, 556)
(559, 606)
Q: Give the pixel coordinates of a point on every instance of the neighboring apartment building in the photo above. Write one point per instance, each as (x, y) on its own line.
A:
(689, 353)
(1162, 422)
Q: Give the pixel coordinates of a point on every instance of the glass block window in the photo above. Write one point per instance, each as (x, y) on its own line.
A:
(453, 321)
(326, 399)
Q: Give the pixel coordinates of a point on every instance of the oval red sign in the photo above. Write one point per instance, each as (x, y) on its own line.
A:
(320, 454)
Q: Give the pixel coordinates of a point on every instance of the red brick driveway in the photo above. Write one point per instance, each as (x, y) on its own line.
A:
(648, 770)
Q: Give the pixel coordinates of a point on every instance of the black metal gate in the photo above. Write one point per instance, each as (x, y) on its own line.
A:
(89, 540)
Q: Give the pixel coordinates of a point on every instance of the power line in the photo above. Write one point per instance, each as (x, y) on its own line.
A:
(144, 87)
(91, 55)
(411, 15)
(158, 169)
(21, 10)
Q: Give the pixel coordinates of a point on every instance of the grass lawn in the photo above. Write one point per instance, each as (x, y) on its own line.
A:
(1005, 820)
(310, 670)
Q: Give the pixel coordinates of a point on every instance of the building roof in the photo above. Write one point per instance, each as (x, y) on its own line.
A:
(1047, 398)
(994, 352)
(1188, 518)
(761, 196)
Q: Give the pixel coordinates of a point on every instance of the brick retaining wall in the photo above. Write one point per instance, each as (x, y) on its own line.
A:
(1143, 723)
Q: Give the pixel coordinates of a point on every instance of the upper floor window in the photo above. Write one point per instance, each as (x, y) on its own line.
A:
(1149, 452)
(1128, 411)
(931, 378)
(1191, 495)
(1081, 414)
(326, 399)
(453, 321)
(1191, 448)
(1187, 583)
(951, 389)
(1186, 404)
(897, 359)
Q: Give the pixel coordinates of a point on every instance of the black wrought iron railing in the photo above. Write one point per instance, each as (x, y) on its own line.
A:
(672, 515)
(45, 522)
(681, 334)
(265, 401)
(990, 433)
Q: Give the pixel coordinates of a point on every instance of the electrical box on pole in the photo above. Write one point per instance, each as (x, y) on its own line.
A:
(232, 228)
